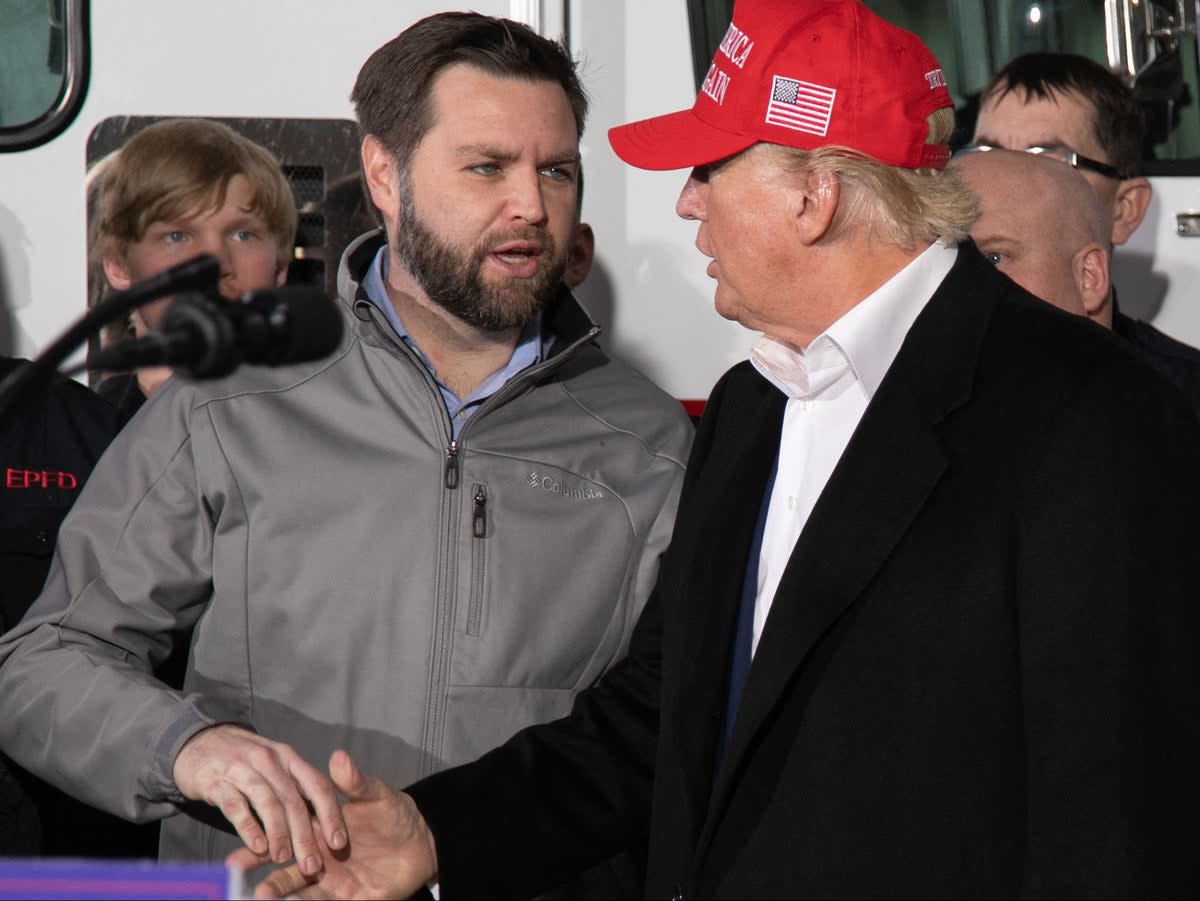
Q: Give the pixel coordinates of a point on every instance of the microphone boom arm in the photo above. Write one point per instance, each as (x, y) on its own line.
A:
(197, 274)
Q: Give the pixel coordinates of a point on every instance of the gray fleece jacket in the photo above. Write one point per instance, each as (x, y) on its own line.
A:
(355, 579)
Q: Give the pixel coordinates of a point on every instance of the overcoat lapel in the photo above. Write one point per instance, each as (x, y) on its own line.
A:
(729, 490)
(885, 476)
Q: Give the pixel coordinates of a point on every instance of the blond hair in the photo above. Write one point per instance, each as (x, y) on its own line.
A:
(907, 208)
(176, 167)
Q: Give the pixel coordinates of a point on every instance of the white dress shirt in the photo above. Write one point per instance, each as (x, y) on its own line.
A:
(829, 385)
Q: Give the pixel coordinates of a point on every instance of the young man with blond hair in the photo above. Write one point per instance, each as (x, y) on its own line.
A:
(178, 189)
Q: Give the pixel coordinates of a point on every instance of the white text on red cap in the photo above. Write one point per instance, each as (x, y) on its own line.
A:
(736, 46)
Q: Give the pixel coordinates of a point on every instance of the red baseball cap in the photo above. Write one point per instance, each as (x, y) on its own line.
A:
(805, 74)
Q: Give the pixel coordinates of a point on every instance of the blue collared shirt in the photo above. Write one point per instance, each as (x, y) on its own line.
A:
(527, 353)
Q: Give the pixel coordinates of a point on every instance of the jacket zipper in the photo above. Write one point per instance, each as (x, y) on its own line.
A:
(435, 707)
(479, 518)
(452, 465)
(439, 664)
(479, 528)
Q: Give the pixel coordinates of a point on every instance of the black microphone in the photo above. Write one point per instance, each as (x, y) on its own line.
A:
(206, 338)
(197, 274)
(23, 384)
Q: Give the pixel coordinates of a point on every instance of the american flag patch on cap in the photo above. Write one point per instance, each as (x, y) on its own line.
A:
(800, 105)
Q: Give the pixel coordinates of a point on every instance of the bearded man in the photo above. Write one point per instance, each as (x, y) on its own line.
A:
(411, 549)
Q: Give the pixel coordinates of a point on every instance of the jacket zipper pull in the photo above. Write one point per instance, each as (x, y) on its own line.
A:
(480, 521)
(452, 465)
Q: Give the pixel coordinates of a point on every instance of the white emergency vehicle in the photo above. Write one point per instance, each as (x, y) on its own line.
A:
(78, 77)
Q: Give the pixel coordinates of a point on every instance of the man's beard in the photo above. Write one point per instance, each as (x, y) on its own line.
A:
(453, 278)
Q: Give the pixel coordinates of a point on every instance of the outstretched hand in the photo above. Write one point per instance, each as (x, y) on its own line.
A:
(390, 854)
(253, 779)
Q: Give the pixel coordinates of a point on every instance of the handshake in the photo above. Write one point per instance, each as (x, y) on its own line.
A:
(374, 845)
(383, 847)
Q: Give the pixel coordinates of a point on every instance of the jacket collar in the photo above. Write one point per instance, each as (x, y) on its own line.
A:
(564, 320)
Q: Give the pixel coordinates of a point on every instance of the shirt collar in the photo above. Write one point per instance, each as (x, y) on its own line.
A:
(373, 287)
(866, 338)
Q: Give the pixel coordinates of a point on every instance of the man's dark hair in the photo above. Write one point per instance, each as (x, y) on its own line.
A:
(1118, 121)
(391, 95)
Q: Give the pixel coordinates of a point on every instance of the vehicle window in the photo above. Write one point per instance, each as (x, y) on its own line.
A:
(43, 69)
(973, 39)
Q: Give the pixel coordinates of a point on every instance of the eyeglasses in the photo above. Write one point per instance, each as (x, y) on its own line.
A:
(1070, 157)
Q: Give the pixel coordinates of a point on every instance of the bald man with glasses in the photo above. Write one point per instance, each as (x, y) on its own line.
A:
(1067, 107)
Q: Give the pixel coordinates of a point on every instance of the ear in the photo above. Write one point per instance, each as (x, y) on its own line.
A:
(815, 202)
(1130, 205)
(1089, 266)
(117, 273)
(580, 255)
(281, 274)
(383, 182)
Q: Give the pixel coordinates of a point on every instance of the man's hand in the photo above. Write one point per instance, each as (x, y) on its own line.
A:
(245, 774)
(391, 852)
